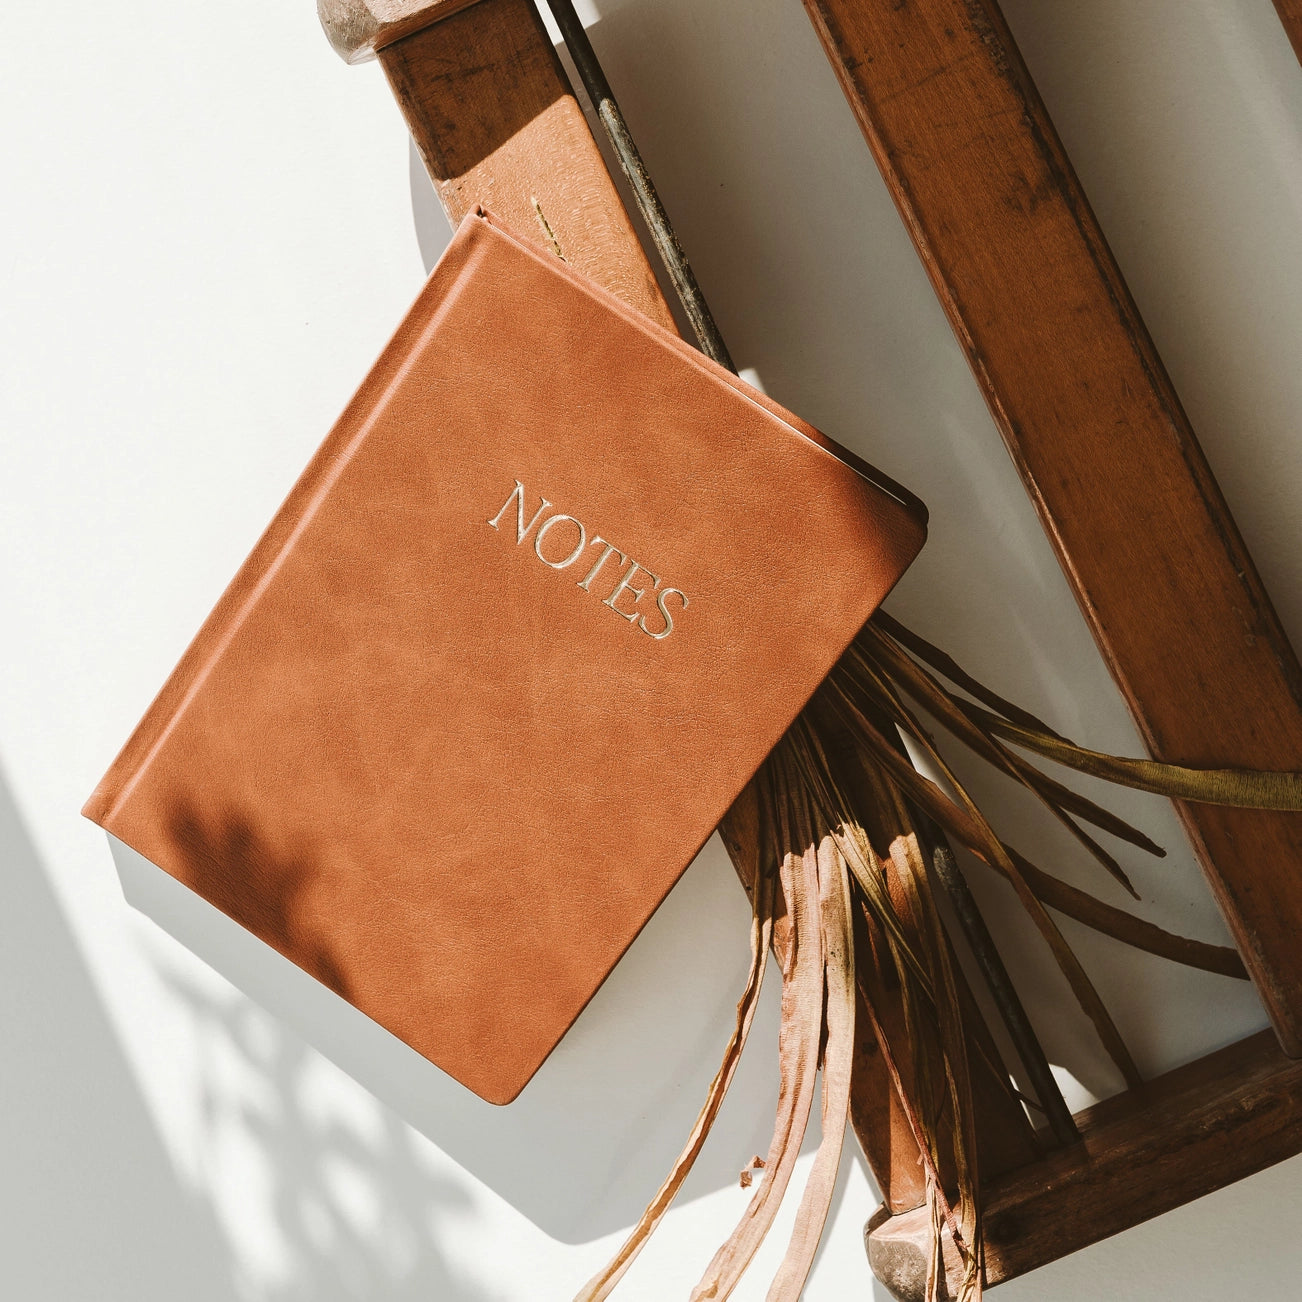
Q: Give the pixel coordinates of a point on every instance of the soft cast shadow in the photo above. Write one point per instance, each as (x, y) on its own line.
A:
(589, 1139)
(347, 1201)
(90, 1206)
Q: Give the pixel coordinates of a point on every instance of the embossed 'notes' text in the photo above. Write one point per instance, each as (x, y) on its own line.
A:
(560, 541)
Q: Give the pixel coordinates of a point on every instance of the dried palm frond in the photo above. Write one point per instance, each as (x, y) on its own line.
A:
(836, 853)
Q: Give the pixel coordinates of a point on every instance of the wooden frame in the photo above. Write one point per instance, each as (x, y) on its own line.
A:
(1024, 272)
(1186, 1133)
(1087, 412)
(1095, 429)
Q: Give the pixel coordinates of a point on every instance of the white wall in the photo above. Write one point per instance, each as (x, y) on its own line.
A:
(209, 227)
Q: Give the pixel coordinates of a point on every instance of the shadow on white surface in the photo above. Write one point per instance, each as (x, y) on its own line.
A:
(91, 1208)
(589, 1139)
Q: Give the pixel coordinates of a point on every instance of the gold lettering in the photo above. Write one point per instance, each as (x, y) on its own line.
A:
(578, 546)
(611, 550)
(661, 597)
(626, 583)
(522, 530)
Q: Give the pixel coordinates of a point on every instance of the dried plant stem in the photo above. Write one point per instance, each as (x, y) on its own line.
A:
(799, 1038)
(890, 661)
(1242, 788)
(1064, 897)
(611, 117)
(761, 937)
(967, 915)
(838, 1056)
(1082, 987)
(945, 664)
(911, 868)
(1029, 1049)
(917, 961)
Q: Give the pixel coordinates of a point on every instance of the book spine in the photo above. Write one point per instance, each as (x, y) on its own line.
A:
(289, 522)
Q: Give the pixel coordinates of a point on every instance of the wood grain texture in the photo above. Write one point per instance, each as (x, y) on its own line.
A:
(1095, 428)
(497, 124)
(357, 28)
(1290, 14)
(1185, 1134)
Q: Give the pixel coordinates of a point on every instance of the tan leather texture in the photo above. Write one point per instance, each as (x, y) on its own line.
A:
(450, 766)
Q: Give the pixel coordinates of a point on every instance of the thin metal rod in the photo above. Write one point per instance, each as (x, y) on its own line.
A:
(711, 343)
(653, 211)
(1011, 1010)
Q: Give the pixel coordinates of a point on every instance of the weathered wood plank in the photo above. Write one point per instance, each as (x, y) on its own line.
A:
(1095, 428)
(497, 124)
(1185, 1134)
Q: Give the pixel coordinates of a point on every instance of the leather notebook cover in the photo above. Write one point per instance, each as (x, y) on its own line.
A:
(538, 608)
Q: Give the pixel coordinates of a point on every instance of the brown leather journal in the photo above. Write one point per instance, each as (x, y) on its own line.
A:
(546, 596)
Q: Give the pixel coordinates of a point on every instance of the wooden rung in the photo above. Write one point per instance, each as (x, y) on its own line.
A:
(1096, 431)
(1185, 1134)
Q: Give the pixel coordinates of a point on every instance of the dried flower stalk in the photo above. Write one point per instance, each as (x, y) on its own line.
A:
(834, 852)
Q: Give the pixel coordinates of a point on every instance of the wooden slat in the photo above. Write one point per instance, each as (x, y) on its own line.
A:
(497, 124)
(1185, 1134)
(1290, 14)
(1091, 420)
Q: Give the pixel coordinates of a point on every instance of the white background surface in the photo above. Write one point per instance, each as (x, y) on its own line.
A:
(209, 227)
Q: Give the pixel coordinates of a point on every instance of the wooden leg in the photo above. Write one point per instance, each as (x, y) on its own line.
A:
(1185, 1134)
(1095, 428)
